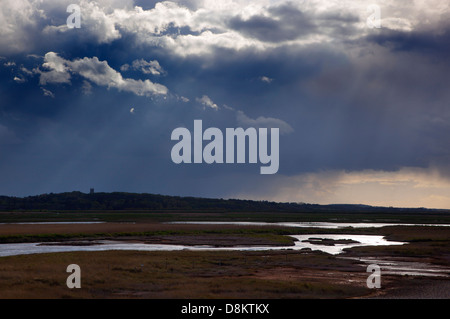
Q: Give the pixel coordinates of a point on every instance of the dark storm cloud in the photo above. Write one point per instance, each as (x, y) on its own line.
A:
(358, 99)
(337, 24)
(283, 23)
(346, 114)
(287, 22)
(425, 42)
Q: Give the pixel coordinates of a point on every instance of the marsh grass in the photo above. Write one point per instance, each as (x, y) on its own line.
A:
(199, 215)
(130, 274)
(208, 274)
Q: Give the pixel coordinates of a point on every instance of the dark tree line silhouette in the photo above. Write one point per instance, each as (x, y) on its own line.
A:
(134, 201)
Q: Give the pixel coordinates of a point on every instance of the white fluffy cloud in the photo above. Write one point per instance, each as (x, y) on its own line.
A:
(245, 121)
(207, 102)
(19, 79)
(262, 121)
(266, 79)
(59, 70)
(48, 93)
(16, 18)
(97, 21)
(146, 67)
(56, 70)
(198, 27)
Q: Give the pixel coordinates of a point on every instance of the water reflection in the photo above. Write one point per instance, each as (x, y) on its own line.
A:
(38, 248)
(337, 248)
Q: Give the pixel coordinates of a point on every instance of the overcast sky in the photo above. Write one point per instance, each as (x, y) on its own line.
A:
(363, 112)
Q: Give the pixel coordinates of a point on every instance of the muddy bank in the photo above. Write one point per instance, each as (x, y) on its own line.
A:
(414, 288)
(218, 240)
(185, 240)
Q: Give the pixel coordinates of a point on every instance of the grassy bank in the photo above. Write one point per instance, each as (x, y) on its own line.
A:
(184, 234)
(170, 216)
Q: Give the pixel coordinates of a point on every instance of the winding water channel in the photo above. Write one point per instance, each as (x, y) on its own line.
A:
(328, 243)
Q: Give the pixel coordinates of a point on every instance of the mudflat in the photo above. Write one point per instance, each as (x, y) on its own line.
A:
(216, 274)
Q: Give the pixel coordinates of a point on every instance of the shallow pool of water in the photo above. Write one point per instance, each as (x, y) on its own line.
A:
(360, 240)
(38, 248)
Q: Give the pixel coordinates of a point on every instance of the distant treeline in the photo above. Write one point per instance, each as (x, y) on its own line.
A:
(132, 201)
